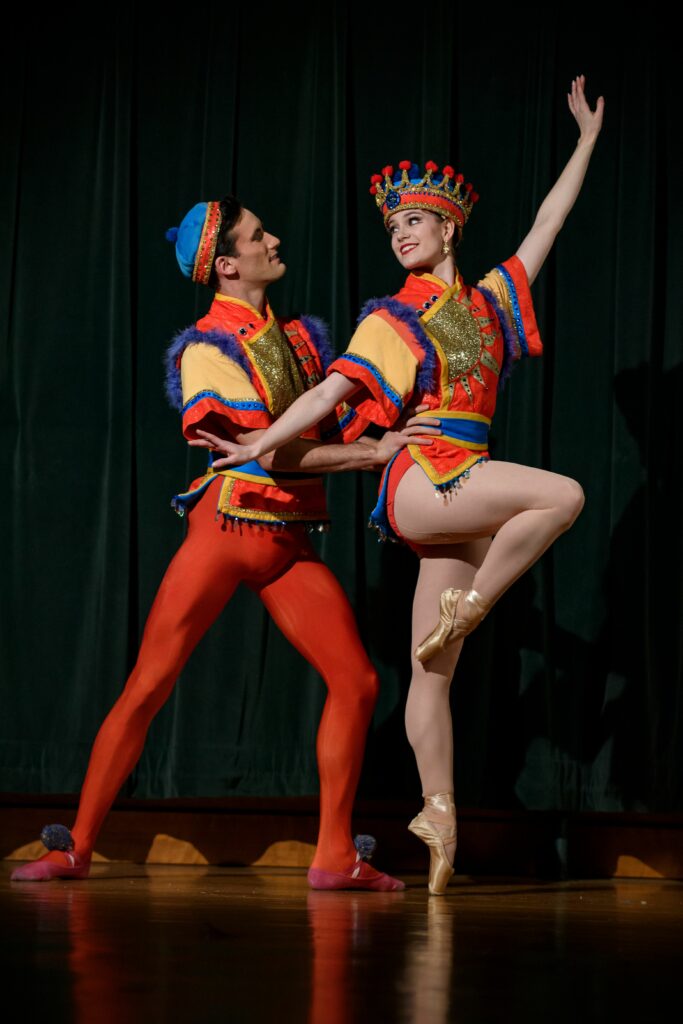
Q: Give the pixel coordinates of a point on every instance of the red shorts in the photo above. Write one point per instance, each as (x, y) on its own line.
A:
(399, 468)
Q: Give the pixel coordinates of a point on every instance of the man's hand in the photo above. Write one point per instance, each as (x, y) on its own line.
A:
(234, 454)
(409, 429)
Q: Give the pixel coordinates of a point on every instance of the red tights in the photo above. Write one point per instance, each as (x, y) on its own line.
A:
(309, 606)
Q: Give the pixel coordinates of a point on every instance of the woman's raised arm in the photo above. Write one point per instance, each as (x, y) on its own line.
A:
(562, 196)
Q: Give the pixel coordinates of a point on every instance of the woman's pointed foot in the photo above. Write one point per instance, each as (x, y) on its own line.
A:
(460, 611)
(436, 826)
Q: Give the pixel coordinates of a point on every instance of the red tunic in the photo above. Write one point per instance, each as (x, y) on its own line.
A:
(239, 369)
(447, 347)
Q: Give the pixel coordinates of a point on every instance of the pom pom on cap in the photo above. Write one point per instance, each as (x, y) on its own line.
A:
(366, 846)
(172, 235)
(57, 837)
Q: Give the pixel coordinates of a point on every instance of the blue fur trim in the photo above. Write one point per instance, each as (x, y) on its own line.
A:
(320, 336)
(511, 351)
(425, 380)
(516, 311)
(224, 342)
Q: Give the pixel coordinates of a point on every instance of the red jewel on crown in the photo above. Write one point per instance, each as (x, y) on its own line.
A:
(442, 192)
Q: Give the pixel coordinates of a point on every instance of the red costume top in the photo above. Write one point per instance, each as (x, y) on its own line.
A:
(447, 347)
(237, 369)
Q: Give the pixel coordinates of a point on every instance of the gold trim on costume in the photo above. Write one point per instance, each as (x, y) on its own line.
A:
(437, 478)
(275, 364)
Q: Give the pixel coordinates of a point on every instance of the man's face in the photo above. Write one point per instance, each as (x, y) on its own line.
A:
(257, 262)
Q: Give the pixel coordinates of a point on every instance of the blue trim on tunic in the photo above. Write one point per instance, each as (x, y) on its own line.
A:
(340, 426)
(516, 312)
(246, 404)
(392, 395)
(379, 518)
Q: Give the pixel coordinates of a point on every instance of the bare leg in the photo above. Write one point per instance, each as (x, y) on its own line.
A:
(526, 509)
(428, 716)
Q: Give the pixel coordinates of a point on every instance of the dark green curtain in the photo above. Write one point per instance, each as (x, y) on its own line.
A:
(569, 696)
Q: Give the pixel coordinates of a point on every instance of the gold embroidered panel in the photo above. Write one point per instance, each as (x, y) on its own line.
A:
(276, 365)
(458, 334)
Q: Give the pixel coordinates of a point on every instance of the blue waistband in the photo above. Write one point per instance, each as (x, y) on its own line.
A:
(469, 431)
(463, 429)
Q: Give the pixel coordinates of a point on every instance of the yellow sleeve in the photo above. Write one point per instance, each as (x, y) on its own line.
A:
(380, 359)
(215, 385)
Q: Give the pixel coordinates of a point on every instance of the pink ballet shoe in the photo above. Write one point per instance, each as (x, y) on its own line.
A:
(43, 870)
(55, 838)
(362, 876)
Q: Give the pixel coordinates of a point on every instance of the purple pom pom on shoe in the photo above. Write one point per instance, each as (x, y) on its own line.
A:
(172, 235)
(365, 846)
(57, 837)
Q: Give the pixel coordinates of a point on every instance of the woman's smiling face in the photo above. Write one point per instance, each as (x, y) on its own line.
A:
(417, 238)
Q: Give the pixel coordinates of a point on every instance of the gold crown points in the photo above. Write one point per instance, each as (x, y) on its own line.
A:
(389, 186)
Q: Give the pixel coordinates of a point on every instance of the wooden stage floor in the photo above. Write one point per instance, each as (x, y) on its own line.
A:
(204, 944)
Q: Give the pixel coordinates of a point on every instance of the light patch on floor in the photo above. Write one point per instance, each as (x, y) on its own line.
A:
(287, 853)
(169, 850)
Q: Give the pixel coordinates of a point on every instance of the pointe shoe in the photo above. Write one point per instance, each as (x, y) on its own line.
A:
(471, 608)
(439, 809)
(55, 838)
(360, 876)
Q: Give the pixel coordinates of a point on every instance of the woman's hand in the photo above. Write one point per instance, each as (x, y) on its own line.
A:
(589, 121)
(234, 454)
(562, 196)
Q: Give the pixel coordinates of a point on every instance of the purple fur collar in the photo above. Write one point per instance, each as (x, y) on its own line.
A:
(511, 346)
(426, 381)
(320, 336)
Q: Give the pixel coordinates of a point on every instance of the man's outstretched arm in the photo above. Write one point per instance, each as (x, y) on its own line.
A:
(309, 456)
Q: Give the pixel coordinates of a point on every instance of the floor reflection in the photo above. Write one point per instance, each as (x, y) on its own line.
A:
(233, 945)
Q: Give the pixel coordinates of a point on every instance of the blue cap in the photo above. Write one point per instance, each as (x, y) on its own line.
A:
(187, 237)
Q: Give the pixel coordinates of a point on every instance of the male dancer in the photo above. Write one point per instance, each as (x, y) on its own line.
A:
(232, 374)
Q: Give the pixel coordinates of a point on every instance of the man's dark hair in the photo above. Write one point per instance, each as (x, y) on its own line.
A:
(231, 211)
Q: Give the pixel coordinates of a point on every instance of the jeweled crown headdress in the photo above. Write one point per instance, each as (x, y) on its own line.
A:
(408, 188)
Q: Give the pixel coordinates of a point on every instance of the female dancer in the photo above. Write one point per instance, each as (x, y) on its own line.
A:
(447, 346)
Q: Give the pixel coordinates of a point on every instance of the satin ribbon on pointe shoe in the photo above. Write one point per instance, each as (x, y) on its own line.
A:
(470, 608)
(439, 809)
